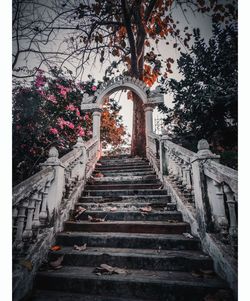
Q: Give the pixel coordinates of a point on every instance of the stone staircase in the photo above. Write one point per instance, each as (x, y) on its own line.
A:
(157, 258)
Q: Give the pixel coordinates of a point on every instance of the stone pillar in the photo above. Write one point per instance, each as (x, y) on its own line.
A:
(148, 109)
(54, 190)
(97, 123)
(200, 184)
(97, 113)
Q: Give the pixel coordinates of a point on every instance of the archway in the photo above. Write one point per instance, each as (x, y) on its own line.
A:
(149, 99)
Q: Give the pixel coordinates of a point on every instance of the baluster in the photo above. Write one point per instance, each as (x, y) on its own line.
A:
(231, 203)
(189, 187)
(219, 213)
(27, 233)
(180, 173)
(20, 223)
(43, 213)
(14, 215)
(36, 221)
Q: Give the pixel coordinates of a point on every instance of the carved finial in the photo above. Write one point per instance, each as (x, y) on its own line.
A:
(53, 152)
(53, 158)
(204, 150)
(203, 145)
(79, 142)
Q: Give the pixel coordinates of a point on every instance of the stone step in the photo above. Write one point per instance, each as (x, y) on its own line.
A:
(128, 207)
(146, 284)
(129, 227)
(45, 295)
(125, 179)
(154, 200)
(110, 160)
(123, 192)
(121, 164)
(125, 215)
(126, 173)
(128, 240)
(121, 186)
(162, 260)
(124, 167)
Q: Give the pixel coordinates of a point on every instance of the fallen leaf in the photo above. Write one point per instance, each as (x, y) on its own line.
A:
(187, 235)
(27, 264)
(79, 211)
(146, 209)
(98, 164)
(55, 248)
(99, 175)
(80, 248)
(57, 263)
(106, 269)
(113, 209)
(96, 219)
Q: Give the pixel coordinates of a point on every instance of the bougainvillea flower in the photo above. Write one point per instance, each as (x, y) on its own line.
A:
(53, 131)
(94, 88)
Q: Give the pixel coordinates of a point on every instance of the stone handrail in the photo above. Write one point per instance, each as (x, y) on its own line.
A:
(207, 194)
(36, 199)
(35, 182)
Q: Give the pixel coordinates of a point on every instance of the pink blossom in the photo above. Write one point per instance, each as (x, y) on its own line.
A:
(81, 131)
(63, 90)
(53, 131)
(94, 88)
(52, 98)
(70, 125)
(78, 112)
(71, 107)
(61, 122)
(40, 79)
(86, 117)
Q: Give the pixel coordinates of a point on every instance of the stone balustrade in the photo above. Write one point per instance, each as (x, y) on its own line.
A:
(206, 193)
(36, 200)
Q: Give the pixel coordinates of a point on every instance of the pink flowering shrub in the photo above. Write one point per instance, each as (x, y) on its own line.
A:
(47, 113)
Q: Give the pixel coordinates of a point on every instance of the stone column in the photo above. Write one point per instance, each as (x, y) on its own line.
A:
(148, 109)
(97, 113)
(200, 184)
(97, 123)
(54, 190)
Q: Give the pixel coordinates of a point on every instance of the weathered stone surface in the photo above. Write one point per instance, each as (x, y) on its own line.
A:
(161, 262)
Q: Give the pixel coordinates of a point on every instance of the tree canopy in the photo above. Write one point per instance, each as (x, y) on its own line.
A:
(205, 99)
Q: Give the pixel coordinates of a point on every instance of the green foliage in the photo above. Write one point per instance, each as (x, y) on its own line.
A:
(205, 99)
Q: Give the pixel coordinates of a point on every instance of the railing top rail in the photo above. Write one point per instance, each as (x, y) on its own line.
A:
(24, 188)
(88, 144)
(222, 174)
(179, 149)
(70, 156)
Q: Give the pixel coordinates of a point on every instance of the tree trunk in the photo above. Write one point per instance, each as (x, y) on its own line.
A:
(138, 144)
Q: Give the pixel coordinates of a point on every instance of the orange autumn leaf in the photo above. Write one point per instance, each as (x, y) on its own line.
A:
(55, 248)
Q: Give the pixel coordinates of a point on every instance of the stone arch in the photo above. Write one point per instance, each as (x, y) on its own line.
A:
(120, 83)
(149, 98)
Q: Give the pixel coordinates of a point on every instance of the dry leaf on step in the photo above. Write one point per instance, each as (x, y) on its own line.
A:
(187, 235)
(27, 264)
(55, 248)
(79, 211)
(146, 209)
(57, 264)
(80, 248)
(108, 270)
(99, 175)
(96, 219)
(113, 209)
